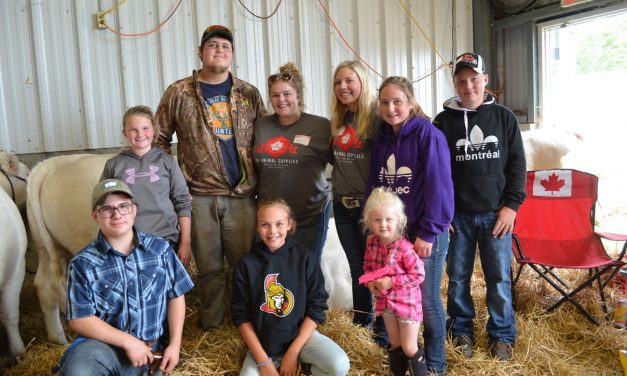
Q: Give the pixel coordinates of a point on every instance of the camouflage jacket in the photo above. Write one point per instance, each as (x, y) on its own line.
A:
(182, 111)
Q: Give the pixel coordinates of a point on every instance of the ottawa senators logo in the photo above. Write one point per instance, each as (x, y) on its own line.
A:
(279, 300)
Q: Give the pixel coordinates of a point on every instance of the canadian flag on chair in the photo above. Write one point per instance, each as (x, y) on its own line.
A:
(553, 183)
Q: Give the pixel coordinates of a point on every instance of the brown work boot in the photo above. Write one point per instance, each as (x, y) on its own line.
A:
(464, 345)
(501, 351)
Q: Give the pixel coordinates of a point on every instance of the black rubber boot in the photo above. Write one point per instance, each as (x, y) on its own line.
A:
(416, 364)
(398, 362)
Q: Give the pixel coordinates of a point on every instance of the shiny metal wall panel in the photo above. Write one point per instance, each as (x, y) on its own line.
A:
(65, 84)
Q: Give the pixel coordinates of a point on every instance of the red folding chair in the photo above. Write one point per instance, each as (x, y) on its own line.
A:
(555, 230)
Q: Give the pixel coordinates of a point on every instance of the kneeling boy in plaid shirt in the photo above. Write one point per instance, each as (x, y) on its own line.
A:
(125, 294)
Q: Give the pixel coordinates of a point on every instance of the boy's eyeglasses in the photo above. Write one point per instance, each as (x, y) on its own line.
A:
(123, 209)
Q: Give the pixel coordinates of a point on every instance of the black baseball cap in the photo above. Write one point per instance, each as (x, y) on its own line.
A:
(470, 60)
(216, 31)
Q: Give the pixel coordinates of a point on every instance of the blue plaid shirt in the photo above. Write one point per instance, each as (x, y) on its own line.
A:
(130, 292)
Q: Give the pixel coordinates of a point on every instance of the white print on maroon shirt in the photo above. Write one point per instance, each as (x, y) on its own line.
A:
(275, 148)
(476, 147)
(392, 178)
(346, 139)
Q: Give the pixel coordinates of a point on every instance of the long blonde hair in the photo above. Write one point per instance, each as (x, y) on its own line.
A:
(366, 102)
(406, 87)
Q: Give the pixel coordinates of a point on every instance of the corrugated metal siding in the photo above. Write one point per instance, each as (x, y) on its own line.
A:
(513, 69)
(58, 82)
(65, 84)
(462, 41)
(19, 121)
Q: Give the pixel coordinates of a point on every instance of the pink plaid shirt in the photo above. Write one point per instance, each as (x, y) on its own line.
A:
(407, 272)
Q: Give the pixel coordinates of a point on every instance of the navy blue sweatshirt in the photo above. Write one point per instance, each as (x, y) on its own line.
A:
(275, 291)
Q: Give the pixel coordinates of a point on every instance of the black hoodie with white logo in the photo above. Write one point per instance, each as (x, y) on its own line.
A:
(275, 291)
(487, 155)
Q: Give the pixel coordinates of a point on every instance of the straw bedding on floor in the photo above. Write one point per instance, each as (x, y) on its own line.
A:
(559, 343)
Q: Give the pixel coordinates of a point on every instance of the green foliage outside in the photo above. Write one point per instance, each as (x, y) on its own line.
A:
(602, 46)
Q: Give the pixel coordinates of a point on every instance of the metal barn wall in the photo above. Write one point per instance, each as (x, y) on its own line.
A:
(64, 83)
(512, 68)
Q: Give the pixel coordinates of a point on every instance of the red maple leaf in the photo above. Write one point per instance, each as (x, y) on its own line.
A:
(553, 183)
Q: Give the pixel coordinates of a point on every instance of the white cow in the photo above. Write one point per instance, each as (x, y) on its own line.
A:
(58, 206)
(12, 267)
(548, 148)
(59, 216)
(13, 174)
(337, 277)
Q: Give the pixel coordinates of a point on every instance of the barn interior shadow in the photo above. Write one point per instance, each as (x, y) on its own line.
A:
(32, 326)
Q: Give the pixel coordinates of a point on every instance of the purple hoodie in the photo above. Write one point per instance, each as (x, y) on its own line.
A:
(415, 164)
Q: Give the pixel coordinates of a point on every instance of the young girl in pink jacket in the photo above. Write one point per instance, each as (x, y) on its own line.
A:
(397, 271)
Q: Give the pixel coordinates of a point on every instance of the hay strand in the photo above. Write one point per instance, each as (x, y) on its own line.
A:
(560, 343)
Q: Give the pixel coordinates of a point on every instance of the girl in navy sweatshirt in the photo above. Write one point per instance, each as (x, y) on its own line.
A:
(279, 299)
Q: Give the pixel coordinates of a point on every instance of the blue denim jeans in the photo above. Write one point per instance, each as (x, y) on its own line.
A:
(313, 236)
(95, 358)
(496, 257)
(324, 355)
(434, 317)
(353, 240)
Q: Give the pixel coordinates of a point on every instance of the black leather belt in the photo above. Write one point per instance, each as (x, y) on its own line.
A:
(350, 202)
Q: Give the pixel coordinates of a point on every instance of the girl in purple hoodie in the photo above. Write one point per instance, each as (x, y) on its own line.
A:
(410, 157)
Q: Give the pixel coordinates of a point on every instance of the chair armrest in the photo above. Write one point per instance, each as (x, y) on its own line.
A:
(612, 236)
(616, 238)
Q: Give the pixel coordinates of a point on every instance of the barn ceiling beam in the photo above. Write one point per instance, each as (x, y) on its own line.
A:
(549, 12)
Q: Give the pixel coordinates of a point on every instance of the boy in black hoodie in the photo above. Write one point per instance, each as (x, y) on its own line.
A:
(489, 173)
(279, 299)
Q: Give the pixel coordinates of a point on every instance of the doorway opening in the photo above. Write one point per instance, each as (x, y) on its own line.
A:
(583, 87)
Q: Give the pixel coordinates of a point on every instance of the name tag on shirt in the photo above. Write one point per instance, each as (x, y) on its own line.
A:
(302, 139)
